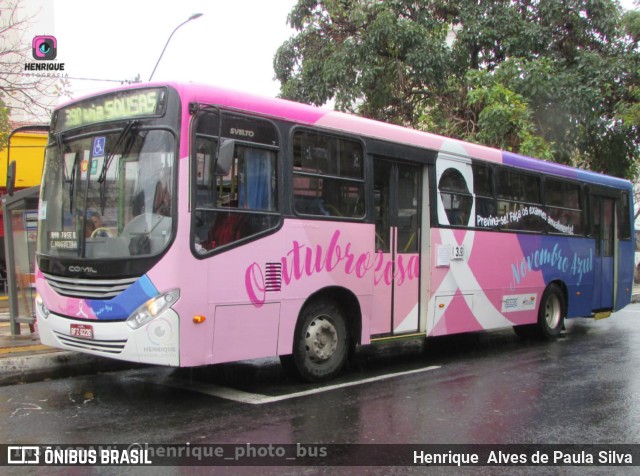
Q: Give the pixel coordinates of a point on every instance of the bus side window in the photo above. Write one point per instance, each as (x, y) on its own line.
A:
(486, 208)
(328, 176)
(239, 205)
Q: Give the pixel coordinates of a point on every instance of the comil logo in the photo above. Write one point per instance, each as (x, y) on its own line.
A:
(44, 48)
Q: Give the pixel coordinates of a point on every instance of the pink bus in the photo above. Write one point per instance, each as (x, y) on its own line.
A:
(187, 225)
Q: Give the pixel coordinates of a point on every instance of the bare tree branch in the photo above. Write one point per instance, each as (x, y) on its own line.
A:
(30, 97)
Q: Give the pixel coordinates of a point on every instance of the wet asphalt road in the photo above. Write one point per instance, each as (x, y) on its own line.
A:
(488, 388)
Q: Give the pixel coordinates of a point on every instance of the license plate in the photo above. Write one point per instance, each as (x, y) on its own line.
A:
(84, 331)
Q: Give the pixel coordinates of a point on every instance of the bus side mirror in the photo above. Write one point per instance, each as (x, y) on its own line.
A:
(225, 156)
(11, 178)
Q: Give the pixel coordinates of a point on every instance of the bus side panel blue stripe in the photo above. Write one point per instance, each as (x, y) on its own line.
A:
(535, 165)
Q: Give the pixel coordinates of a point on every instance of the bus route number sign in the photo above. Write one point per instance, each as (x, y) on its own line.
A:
(116, 106)
(457, 253)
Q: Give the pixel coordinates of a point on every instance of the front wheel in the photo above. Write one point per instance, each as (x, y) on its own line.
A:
(320, 346)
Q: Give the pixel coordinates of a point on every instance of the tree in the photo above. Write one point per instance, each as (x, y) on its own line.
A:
(377, 57)
(29, 96)
(5, 126)
(557, 79)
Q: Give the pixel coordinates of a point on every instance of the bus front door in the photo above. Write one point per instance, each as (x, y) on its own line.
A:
(396, 288)
(604, 260)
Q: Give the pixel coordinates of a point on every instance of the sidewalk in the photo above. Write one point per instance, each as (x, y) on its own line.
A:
(24, 359)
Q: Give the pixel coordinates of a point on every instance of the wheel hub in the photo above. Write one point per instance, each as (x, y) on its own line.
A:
(321, 339)
(553, 312)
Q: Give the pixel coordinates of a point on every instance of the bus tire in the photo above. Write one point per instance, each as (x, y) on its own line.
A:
(321, 342)
(551, 313)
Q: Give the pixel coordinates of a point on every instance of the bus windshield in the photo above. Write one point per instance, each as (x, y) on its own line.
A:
(108, 194)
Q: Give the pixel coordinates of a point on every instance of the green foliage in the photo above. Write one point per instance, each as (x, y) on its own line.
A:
(5, 126)
(631, 25)
(556, 79)
(504, 120)
(374, 58)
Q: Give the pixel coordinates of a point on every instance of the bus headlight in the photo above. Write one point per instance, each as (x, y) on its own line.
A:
(152, 308)
(44, 310)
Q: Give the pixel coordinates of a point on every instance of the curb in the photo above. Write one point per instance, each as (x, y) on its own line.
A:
(58, 364)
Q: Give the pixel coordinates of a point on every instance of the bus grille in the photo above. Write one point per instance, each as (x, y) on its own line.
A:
(109, 346)
(89, 288)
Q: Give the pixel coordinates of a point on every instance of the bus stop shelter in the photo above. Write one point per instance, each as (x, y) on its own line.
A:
(20, 214)
(20, 221)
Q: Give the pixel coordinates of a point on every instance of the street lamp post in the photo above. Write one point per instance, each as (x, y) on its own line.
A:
(192, 17)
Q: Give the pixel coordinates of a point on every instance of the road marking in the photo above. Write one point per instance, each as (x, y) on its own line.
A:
(259, 399)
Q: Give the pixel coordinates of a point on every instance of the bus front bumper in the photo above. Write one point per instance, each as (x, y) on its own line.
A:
(157, 342)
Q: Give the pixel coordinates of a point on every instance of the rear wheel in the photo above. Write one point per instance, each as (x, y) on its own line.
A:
(320, 346)
(552, 312)
(550, 316)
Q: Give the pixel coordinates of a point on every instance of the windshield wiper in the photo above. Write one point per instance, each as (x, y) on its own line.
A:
(103, 174)
(131, 125)
(70, 180)
(60, 144)
(72, 184)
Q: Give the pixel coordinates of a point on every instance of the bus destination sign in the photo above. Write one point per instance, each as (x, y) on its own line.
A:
(63, 240)
(117, 106)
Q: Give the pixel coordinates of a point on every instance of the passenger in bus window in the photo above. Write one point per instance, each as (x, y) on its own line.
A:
(88, 228)
(97, 226)
(162, 199)
(228, 228)
(137, 204)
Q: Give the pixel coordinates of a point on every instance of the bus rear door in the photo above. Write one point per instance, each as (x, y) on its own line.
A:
(604, 261)
(397, 204)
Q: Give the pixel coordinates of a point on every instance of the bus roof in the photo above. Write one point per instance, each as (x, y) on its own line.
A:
(348, 123)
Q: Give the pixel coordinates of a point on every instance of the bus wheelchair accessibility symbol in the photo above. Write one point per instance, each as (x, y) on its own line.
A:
(98, 146)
